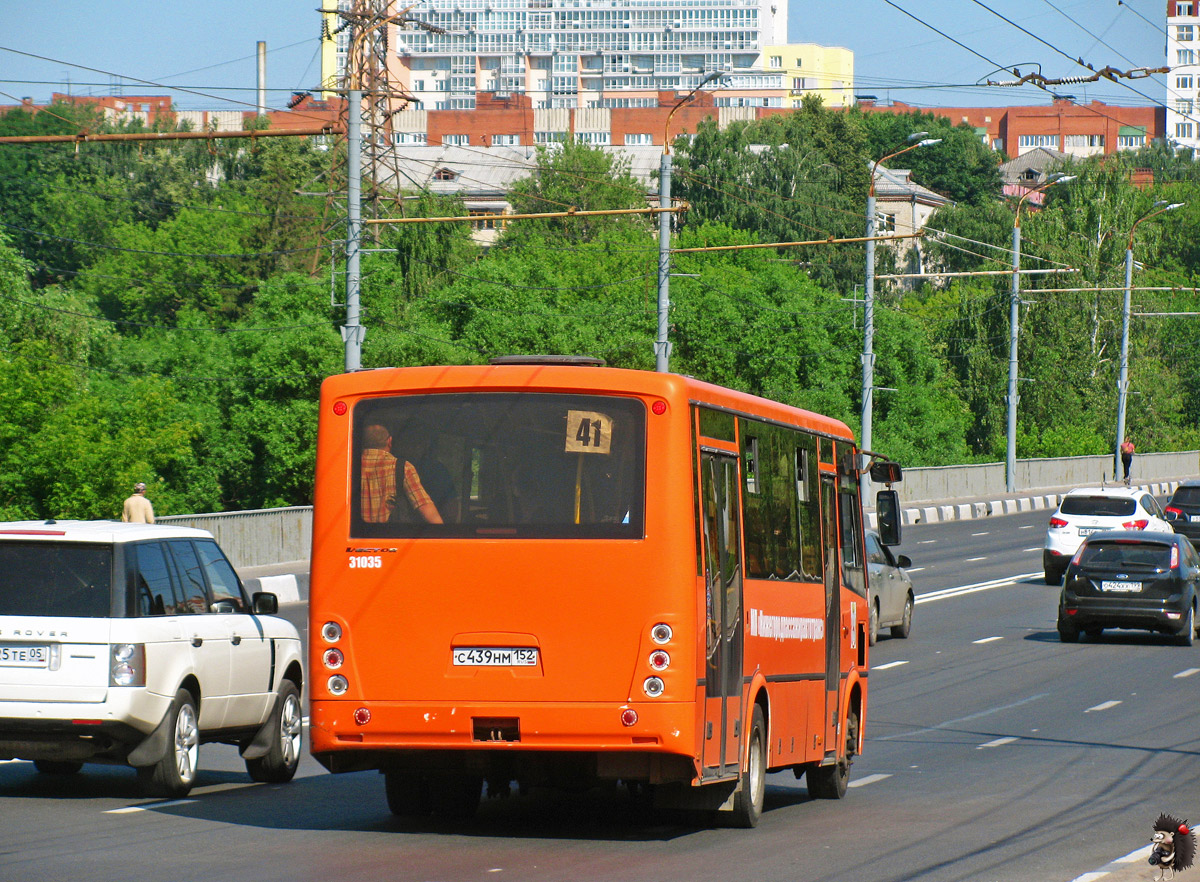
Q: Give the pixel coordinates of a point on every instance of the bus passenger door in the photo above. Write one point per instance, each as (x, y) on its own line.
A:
(723, 588)
(833, 625)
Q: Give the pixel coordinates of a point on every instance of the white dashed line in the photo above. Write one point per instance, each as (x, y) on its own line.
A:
(927, 542)
(982, 534)
(1102, 706)
(997, 743)
(915, 569)
(1187, 673)
(1035, 548)
(975, 559)
(943, 593)
(987, 640)
(894, 664)
(870, 779)
(148, 807)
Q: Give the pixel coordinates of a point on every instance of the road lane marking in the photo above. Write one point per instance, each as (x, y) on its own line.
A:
(870, 779)
(975, 559)
(148, 807)
(927, 542)
(970, 717)
(943, 593)
(915, 569)
(985, 533)
(997, 743)
(894, 664)
(1138, 856)
(1105, 705)
(1187, 673)
(986, 640)
(1034, 548)
(1031, 526)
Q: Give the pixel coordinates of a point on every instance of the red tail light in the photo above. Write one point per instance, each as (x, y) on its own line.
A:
(1078, 554)
(1172, 510)
(1057, 522)
(1139, 524)
(1174, 557)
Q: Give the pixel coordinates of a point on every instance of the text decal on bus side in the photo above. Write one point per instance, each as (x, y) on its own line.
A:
(588, 432)
(785, 627)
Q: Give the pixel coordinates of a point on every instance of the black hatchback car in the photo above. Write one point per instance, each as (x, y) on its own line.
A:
(1131, 579)
(1182, 511)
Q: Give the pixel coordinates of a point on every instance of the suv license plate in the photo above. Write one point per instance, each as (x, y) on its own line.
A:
(1120, 586)
(496, 656)
(1195, 519)
(22, 655)
(1088, 531)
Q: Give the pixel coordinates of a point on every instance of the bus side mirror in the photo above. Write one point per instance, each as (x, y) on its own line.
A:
(885, 472)
(887, 511)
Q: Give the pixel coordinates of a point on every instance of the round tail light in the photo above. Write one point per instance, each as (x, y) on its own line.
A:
(659, 659)
(362, 716)
(333, 658)
(653, 687)
(628, 717)
(338, 684)
(331, 632)
(661, 633)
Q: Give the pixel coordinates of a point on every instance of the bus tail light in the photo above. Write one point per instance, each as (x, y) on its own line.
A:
(333, 658)
(661, 633)
(628, 717)
(338, 684)
(331, 632)
(660, 659)
(653, 687)
(362, 716)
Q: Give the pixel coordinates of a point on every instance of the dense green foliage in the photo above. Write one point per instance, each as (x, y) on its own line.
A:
(171, 310)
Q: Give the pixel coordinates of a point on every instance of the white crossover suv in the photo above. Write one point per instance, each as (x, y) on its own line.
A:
(1085, 511)
(135, 643)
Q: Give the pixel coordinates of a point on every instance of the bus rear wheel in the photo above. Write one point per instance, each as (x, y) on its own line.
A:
(455, 797)
(748, 801)
(407, 794)
(830, 782)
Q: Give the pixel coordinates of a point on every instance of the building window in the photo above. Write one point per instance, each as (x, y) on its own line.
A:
(1183, 82)
(506, 140)
(1183, 33)
(997, 143)
(1185, 56)
(408, 138)
(1085, 141)
(1184, 8)
(418, 85)
(1038, 141)
(549, 137)
(633, 140)
(600, 139)
(1131, 142)
(444, 174)
(1183, 130)
(776, 61)
(1183, 106)
(456, 140)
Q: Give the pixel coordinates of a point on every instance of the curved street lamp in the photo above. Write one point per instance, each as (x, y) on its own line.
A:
(868, 355)
(662, 346)
(1123, 379)
(1014, 311)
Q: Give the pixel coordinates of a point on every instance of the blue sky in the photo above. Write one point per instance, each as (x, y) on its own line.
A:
(209, 47)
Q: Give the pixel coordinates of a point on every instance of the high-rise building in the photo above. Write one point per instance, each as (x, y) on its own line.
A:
(1183, 46)
(582, 54)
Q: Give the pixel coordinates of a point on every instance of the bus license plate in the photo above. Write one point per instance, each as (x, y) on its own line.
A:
(1120, 586)
(496, 656)
(24, 656)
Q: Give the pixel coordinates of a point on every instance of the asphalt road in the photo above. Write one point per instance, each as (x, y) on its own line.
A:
(993, 752)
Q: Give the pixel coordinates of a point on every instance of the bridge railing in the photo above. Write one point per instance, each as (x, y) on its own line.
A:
(279, 535)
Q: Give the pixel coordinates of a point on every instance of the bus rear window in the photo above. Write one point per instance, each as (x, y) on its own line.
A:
(55, 579)
(498, 465)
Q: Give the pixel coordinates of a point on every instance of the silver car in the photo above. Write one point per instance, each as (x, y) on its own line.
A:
(889, 590)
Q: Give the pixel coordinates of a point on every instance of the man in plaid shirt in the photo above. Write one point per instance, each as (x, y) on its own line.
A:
(378, 498)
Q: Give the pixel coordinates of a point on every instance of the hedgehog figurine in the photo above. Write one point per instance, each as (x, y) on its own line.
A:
(1173, 847)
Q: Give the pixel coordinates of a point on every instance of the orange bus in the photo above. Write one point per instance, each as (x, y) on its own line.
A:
(552, 572)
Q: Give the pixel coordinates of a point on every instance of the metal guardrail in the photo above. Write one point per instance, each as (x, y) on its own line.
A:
(280, 535)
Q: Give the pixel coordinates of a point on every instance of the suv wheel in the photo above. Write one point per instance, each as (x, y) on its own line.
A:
(278, 764)
(173, 775)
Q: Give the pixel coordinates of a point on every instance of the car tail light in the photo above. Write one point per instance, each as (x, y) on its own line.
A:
(128, 665)
(1174, 557)
(1056, 522)
(1139, 524)
(1172, 513)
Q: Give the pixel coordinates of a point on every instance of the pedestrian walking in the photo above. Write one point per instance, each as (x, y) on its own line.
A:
(1127, 450)
(137, 508)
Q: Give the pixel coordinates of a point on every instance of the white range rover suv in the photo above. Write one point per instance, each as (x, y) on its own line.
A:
(135, 643)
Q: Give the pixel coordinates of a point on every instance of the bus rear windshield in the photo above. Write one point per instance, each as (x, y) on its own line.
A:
(498, 465)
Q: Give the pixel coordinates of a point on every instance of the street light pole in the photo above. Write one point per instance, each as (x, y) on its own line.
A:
(1014, 314)
(1123, 378)
(868, 354)
(662, 343)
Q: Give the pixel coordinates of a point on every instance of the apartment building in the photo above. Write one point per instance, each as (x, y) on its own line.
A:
(1183, 48)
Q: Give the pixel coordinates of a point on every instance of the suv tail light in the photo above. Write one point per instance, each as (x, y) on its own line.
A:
(127, 664)
(1139, 524)
(1172, 513)
(1057, 522)
(1174, 557)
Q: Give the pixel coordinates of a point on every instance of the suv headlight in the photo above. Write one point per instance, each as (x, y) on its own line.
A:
(127, 665)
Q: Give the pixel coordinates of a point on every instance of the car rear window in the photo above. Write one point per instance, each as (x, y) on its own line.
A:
(1098, 506)
(1186, 496)
(1130, 555)
(55, 579)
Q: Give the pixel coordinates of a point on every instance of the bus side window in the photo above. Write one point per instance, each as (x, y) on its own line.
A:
(851, 540)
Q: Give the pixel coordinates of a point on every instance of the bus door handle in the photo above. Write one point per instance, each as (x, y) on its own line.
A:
(197, 640)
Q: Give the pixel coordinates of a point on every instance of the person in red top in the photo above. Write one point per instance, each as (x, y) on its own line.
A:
(379, 473)
(1127, 450)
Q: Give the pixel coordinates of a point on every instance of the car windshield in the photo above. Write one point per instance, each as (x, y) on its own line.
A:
(55, 579)
(1126, 555)
(1098, 506)
(1186, 496)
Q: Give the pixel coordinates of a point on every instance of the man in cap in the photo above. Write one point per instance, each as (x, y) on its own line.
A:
(138, 509)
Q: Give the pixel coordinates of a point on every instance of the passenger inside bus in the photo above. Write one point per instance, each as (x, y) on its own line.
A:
(381, 472)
